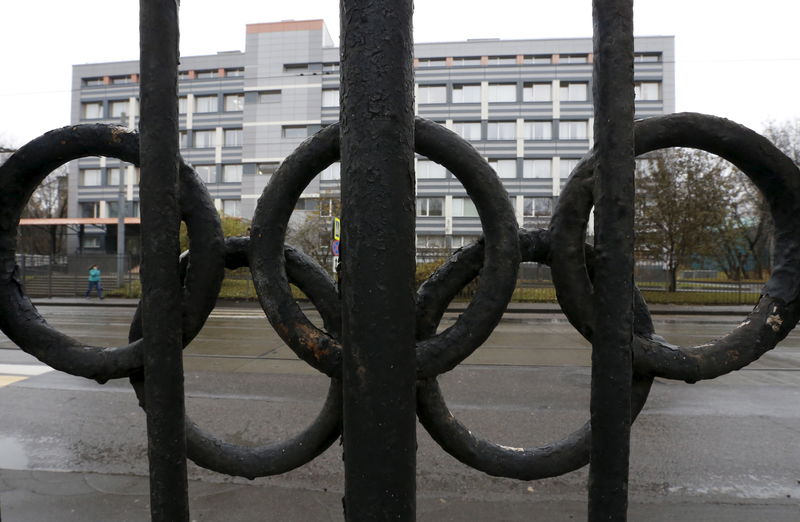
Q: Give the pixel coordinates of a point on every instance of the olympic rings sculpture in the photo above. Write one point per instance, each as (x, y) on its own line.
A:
(495, 257)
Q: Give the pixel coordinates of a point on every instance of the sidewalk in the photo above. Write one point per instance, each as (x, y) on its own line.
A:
(42, 496)
(459, 307)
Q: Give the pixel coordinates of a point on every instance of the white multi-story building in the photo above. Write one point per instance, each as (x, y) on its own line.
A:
(525, 105)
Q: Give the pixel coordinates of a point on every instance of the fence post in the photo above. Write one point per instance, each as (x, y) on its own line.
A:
(161, 296)
(379, 361)
(613, 284)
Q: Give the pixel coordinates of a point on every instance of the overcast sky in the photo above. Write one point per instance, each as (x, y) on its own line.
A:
(736, 59)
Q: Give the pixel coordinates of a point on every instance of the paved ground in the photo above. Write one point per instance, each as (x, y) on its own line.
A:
(723, 450)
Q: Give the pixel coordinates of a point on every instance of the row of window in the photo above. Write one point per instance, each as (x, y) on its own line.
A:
(182, 75)
(505, 168)
(465, 207)
(426, 94)
(509, 59)
(231, 173)
(207, 139)
(92, 209)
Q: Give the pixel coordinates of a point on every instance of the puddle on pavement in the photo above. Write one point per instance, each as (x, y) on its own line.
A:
(12, 454)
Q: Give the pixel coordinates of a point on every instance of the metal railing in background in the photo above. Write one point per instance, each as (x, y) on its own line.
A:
(379, 345)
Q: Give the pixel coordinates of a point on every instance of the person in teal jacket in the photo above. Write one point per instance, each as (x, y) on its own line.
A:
(94, 282)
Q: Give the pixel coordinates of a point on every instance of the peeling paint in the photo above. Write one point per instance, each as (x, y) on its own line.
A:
(775, 322)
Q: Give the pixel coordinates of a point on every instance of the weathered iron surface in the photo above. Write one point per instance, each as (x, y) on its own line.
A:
(379, 343)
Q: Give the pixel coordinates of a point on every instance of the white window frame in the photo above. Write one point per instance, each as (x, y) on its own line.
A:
(430, 94)
(467, 93)
(234, 102)
(206, 104)
(428, 169)
(537, 168)
(538, 130)
(505, 168)
(232, 173)
(204, 139)
(469, 130)
(501, 130)
(573, 130)
(537, 92)
(502, 92)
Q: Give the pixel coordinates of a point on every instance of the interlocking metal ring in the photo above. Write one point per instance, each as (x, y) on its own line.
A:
(211, 452)
(778, 309)
(20, 320)
(435, 354)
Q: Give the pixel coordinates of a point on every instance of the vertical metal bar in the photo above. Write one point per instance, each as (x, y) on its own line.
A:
(613, 283)
(161, 305)
(377, 146)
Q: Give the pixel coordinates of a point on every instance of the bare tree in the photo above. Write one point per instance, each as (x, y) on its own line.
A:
(681, 201)
(311, 232)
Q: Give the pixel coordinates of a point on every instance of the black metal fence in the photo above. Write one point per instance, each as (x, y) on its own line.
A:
(379, 344)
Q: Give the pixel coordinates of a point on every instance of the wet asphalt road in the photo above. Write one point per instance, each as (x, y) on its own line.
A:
(730, 443)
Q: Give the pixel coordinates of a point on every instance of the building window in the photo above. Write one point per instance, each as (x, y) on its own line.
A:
(183, 139)
(501, 130)
(502, 92)
(269, 97)
(572, 130)
(330, 66)
(536, 168)
(464, 207)
(295, 67)
(118, 108)
(207, 173)
(432, 62)
(430, 241)
(469, 130)
(537, 92)
(566, 166)
(232, 207)
(534, 207)
(462, 241)
(204, 139)
(267, 169)
(468, 93)
(505, 168)
(234, 102)
(647, 90)
(113, 177)
(182, 104)
(237, 71)
(92, 110)
(233, 137)
(539, 59)
(427, 169)
(330, 97)
(184, 75)
(430, 206)
(333, 172)
(329, 207)
(93, 82)
(231, 173)
(89, 209)
(538, 130)
(647, 57)
(295, 131)
(90, 178)
(206, 104)
(432, 94)
(461, 61)
(573, 58)
(121, 80)
(502, 60)
(91, 241)
(205, 75)
(574, 91)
